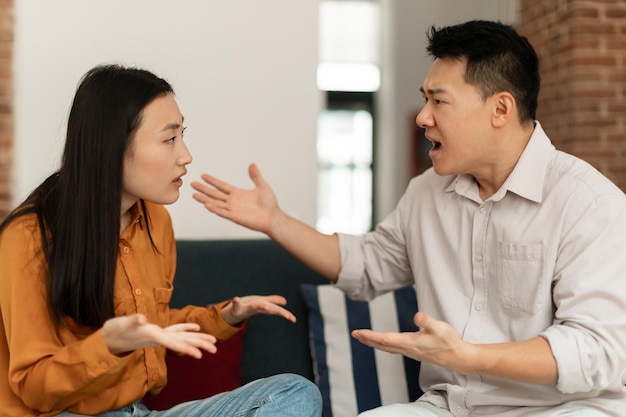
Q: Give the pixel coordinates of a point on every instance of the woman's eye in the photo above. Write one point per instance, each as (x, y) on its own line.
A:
(170, 140)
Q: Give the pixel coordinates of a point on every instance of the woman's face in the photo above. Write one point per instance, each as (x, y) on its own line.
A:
(156, 160)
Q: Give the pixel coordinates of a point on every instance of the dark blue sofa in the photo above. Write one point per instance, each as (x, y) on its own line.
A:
(209, 271)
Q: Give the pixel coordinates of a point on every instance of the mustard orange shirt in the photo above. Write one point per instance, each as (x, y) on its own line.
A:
(70, 368)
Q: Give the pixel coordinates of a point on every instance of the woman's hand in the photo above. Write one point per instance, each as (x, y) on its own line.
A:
(240, 308)
(127, 333)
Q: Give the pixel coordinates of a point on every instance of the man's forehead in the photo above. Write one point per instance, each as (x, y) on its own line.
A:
(443, 75)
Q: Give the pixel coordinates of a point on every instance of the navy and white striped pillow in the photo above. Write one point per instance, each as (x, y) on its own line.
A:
(351, 376)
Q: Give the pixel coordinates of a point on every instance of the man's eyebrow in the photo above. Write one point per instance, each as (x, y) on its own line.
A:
(432, 91)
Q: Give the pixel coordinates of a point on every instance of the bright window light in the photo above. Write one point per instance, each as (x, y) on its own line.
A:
(349, 43)
(348, 77)
(344, 150)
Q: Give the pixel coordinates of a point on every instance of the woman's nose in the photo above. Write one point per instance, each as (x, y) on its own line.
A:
(185, 157)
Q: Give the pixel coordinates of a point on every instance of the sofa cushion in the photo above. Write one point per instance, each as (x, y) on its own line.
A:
(193, 379)
(351, 376)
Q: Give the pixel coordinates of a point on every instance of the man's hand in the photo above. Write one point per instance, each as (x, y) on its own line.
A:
(529, 361)
(436, 342)
(250, 208)
(127, 333)
(258, 209)
(240, 308)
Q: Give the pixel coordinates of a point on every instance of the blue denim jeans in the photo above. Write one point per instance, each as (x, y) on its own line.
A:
(286, 395)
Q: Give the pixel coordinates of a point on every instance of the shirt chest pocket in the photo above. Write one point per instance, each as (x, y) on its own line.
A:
(520, 276)
(162, 297)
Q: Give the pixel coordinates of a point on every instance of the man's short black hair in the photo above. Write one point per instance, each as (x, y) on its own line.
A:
(498, 59)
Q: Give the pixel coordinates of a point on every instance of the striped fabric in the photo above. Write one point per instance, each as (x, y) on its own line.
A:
(351, 376)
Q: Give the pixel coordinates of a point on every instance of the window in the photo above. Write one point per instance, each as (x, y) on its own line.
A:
(345, 158)
(348, 71)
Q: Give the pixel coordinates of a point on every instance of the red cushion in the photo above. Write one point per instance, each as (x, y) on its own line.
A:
(193, 379)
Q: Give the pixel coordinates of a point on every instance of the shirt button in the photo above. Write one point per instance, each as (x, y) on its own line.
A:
(138, 291)
(483, 210)
(126, 249)
(478, 307)
(479, 258)
(458, 408)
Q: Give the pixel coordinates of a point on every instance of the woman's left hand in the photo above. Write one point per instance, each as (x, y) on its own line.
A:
(241, 308)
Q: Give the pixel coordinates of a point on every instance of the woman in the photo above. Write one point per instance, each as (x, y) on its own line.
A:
(87, 264)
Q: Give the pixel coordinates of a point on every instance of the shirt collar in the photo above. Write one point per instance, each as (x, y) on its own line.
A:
(136, 220)
(135, 213)
(526, 179)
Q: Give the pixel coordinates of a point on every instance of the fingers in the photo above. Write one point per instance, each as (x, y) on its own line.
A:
(276, 299)
(424, 321)
(273, 307)
(288, 315)
(387, 341)
(211, 203)
(198, 341)
(217, 183)
(183, 327)
(207, 193)
(244, 307)
(186, 342)
(255, 174)
(275, 310)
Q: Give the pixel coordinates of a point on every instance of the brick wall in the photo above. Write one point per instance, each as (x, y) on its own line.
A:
(6, 104)
(582, 50)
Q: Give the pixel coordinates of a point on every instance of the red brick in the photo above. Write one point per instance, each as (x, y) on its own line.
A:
(591, 60)
(593, 28)
(588, 12)
(615, 12)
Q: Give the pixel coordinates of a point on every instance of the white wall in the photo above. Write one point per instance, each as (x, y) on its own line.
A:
(244, 72)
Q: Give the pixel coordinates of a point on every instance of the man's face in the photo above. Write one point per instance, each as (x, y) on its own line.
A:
(456, 120)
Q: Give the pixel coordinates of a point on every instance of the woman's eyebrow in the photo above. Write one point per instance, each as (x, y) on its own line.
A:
(172, 126)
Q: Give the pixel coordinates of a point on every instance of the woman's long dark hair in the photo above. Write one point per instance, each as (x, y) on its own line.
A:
(78, 207)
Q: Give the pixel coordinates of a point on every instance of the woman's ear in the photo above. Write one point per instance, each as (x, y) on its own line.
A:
(505, 109)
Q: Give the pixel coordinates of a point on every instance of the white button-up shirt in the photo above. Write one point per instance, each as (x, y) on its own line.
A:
(545, 255)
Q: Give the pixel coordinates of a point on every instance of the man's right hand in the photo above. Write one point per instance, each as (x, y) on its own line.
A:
(257, 209)
(250, 208)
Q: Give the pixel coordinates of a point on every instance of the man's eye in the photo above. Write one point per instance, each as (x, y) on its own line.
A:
(170, 140)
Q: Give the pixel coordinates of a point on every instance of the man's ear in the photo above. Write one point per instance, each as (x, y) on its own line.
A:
(505, 109)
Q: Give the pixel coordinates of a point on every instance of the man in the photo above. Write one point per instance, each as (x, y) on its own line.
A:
(516, 249)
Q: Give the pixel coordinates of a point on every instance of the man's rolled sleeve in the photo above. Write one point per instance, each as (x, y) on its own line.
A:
(352, 265)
